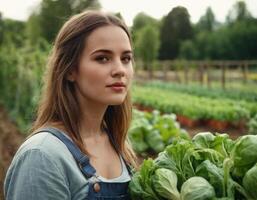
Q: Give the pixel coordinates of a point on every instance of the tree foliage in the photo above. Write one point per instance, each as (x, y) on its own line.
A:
(141, 20)
(207, 22)
(147, 44)
(145, 34)
(12, 31)
(51, 14)
(176, 28)
(235, 40)
(238, 12)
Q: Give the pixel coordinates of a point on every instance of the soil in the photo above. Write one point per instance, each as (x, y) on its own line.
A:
(231, 131)
(10, 139)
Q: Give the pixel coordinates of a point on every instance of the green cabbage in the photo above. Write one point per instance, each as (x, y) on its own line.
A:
(136, 135)
(213, 174)
(165, 184)
(250, 182)
(203, 139)
(197, 188)
(154, 140)
(141, 185)
(244, 154)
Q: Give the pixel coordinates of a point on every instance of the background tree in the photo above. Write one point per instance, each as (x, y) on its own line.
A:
(147, 46)
(188, 50)
(51, 14)
(238, 12)
(141, 26)
(1, 29)
(243, 39)
(207, 22)
(33, 29)
(140, 21)
(80, 5)
(12, 31)
(176, 28)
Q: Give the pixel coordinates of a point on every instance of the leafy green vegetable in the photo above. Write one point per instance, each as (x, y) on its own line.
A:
(136, 135)
(197, 188)
(154, 140)
(252, 124)
(244, 154)
(250, 182)
(213, 174)
(223, 144)
(135, 189)
(203, 139)
(164, 161)
(182, 152)
(152, 131)
(141, 185)
(165, 184)
(207, 167)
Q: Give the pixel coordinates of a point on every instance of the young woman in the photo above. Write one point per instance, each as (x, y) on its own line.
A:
(78, 148)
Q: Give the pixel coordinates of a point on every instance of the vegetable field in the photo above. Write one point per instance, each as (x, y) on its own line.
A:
(194, 105)
(210, 166)
(194, 131)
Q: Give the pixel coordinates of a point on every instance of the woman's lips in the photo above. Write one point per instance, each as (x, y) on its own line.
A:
(117, 87)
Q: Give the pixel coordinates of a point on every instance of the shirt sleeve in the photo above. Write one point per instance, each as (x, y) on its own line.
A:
(35, 176)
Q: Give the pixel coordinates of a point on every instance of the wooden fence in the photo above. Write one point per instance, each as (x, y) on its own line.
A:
(203, 71)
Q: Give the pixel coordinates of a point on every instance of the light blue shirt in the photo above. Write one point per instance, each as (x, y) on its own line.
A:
(43, 168)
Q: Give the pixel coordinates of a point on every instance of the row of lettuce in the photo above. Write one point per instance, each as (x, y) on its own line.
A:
(195, 107)
(234, 91)
(208, 166)
(150, 133)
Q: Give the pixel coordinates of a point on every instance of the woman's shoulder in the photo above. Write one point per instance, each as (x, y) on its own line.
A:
(46, 143)
(43, 167)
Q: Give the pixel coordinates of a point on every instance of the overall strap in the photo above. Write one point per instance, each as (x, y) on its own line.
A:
(81, 159)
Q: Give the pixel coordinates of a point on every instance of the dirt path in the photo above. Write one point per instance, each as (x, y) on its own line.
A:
(10, 139)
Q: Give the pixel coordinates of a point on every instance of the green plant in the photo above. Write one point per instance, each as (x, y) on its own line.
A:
(210, 166)
(252, 125)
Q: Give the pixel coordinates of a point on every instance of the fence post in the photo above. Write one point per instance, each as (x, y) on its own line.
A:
(245, 71)
(223, 76)
(208, 74)
(185, 66)
(164, 70)
(201, 73)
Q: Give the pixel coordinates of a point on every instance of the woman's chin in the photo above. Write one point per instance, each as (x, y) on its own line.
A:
(116, 101)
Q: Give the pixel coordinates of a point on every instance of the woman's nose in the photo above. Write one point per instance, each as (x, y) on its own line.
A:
(118, 69)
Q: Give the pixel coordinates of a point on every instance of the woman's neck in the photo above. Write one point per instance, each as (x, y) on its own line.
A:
(91, 121)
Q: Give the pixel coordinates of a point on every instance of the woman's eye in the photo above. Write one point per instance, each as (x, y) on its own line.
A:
(102, 59)
(126, 59)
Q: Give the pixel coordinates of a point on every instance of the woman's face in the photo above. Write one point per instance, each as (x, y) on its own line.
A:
(105, 69)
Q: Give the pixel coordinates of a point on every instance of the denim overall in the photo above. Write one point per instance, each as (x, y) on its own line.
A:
(98, 190)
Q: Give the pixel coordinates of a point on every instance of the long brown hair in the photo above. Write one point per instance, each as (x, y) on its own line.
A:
(58, 101)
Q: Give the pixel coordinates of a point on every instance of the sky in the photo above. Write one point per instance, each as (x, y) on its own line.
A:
(20, 9)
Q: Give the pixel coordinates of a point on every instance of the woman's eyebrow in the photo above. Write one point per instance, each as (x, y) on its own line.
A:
(102, 51)
(127, 52)
(109, 51)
